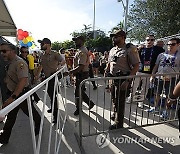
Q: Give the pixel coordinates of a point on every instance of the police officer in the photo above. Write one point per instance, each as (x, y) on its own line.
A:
(50, 62)
(123, 60)
(2, 76)
(17, 84)
(81, 71)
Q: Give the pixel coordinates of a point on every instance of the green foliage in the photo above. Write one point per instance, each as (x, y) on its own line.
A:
(56, 46)
(101, 43)
(120, 25)
(158, 17)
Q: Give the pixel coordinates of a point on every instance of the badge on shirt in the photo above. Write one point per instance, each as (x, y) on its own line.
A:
(21, 65)
(146, 66)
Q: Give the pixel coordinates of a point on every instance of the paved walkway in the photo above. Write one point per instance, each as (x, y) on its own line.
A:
(128, 141)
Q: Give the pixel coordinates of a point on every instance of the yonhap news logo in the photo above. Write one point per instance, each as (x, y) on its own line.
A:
(103, 140)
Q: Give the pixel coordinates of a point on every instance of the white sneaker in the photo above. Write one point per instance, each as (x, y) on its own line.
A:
(153, 110)
(128, 99)
(140, 104)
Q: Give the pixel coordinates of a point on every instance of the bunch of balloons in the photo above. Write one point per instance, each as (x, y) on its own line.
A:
(25, 39)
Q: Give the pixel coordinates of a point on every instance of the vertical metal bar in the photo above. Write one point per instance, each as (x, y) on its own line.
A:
(97, 108)
(42, 120)
(80, 115)
(130, 107)
(54, 97)
(104, 99)
(31, 124)
(89, 118)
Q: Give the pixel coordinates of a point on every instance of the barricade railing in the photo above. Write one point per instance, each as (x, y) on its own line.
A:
(139, 104)
(61, 115)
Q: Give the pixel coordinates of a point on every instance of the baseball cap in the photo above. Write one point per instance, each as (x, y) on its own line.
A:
(45, 40)
(78, 38)
(118, 33)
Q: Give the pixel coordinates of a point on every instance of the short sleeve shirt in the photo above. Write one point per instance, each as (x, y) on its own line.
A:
(168, 63)
(82, 58)
(50, 62)
(17, 69)
(126, 57)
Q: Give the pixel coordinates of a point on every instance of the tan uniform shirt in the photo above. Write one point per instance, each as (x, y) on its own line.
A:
(50, 62)
(126, 57)
(17, 69)
(82, 57)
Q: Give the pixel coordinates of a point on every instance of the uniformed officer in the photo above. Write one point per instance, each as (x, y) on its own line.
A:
(50, 62)
(2, 76)
(123, 61)
(81, 71)
(17, 84)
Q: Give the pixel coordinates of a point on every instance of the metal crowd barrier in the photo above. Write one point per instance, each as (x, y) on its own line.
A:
(53, 141)
(137, 106)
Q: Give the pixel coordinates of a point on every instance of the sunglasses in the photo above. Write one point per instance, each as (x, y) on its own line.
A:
(172, 44)
(4, 51)
(150, 40)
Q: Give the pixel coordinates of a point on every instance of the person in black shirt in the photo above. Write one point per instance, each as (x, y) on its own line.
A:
(148, 56)
(24, 53)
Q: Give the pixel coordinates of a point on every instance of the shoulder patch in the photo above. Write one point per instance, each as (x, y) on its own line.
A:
(81, 53)
(134, 49)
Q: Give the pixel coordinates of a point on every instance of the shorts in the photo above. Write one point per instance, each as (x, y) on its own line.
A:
(164, 87)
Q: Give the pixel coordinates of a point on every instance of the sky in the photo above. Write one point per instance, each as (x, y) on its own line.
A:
(57, 19)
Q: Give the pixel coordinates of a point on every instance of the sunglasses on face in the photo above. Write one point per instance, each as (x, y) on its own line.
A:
(172, 44)
(150, 40)
(4, 51)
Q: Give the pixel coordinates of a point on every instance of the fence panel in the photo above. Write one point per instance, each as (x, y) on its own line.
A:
(53, 137)
(145, 103)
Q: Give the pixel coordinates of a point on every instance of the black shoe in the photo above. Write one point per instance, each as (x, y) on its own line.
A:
(115, 126)
(84, 88)
(36, 131)
(3, 140)
(95, 87)
(49, 111)
(107, 87)
(113, 117)
(76, 112)
(54, 120)
(91, 105)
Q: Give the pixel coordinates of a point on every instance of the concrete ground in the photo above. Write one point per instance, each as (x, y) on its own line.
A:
(161, 138)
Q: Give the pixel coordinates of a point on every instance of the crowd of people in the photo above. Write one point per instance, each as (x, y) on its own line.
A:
(20, 70)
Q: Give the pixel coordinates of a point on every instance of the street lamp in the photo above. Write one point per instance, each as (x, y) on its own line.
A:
(94, 35)
(125, 7)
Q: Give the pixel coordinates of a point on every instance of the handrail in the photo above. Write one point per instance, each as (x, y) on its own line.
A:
(15, 103)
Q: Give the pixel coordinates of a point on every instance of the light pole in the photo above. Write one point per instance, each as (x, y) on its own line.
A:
(94, 35)
(126, 13)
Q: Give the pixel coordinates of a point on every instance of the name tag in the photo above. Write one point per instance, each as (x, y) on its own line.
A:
(146, 66)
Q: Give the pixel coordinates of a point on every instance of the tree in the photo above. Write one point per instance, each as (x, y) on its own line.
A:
(56, 46)
(101, 43)
(120, 25)
(158, 17)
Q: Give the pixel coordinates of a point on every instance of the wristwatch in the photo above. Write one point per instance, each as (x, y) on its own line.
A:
(13, 96)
